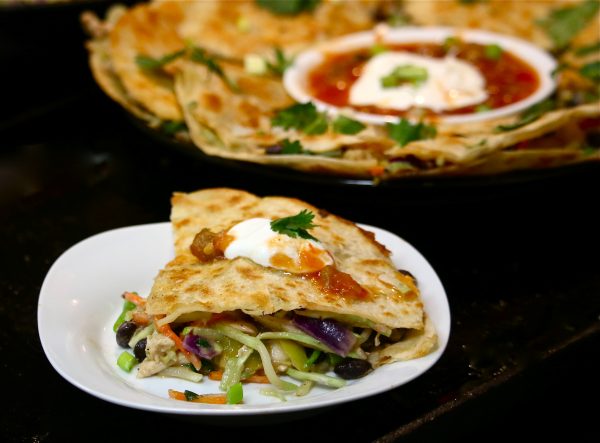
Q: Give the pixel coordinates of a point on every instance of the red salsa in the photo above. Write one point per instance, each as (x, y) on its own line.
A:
(508, 78)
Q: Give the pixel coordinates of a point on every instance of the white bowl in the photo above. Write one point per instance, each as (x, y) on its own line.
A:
(295, 78)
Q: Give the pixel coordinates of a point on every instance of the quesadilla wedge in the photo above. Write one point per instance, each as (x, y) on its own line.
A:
(270, 286)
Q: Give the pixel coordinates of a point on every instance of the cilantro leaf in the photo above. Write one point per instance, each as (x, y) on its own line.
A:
(563, 24)
(405, 74)
(172, 127)
(530, 115)
(582, 51)
(201, 56)
(280, 64)
(288, 7)
(190, 395)
(591, 71)
(348, 126)
(148, 63)
(295, 225)
(405, 132)
(302, 116)
(289, 147)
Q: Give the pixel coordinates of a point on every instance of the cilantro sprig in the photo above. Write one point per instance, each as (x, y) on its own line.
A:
(280, 62)
(307, 119)
(195, 54)
(591, 71)
(405, 132)
(148, 63)
(530, 115)
(288, 7)
(563, 24)
(203, 57)
(296, 225)
(303, 117)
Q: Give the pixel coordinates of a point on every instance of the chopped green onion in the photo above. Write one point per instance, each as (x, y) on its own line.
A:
(321, 379)
(127, 306)
(483, 108)
(493, 51)
(235, 394)
(377, 49)
(126, 361)
(405, 74)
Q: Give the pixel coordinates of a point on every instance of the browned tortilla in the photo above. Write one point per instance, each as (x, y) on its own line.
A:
(187, 285)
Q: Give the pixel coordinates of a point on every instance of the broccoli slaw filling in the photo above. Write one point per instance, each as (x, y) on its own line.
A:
(311, 347)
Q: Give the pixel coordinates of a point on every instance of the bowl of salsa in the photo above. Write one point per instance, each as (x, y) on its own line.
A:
(427, 73)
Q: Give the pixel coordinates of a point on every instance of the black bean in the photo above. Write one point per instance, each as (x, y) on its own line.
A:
(351, 368)
(139, 350)
(125, 332)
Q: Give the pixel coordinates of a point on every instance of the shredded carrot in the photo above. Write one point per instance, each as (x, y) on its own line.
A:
(218, 375)
(215, 375)
(215, 399)
(167, 331)
(134, 298)
(257, 379)
(140, 318)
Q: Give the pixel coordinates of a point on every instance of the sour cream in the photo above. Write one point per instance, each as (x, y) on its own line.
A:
(450, 84)
(254, 239)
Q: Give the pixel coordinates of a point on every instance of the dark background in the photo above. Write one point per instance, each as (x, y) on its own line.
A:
(518, 256)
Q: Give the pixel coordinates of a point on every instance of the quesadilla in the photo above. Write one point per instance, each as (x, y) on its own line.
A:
(213, 70)
(282, 278)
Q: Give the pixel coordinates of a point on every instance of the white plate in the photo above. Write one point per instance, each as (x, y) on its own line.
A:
(80, 300)
(295, 78)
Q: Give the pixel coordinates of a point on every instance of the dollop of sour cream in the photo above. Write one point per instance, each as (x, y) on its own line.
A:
(450, 83)
(254, 239)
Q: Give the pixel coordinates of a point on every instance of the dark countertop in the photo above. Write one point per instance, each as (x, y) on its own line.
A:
(518, 258)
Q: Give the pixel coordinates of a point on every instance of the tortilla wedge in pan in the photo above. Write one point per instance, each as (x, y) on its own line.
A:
(377, 297)
(187, 64)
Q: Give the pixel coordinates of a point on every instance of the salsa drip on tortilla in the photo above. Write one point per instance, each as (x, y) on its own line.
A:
(508, 79)
(208, 246)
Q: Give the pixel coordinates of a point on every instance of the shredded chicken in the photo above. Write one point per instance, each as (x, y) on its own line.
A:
(160, 354)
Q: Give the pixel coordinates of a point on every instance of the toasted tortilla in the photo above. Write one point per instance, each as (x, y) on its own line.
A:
(237, 124)
(187, 285)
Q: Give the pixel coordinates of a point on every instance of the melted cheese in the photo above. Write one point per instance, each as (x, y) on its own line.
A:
(450, 84)
(254, 239)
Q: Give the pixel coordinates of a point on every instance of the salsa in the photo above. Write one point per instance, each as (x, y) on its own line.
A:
(508, 78)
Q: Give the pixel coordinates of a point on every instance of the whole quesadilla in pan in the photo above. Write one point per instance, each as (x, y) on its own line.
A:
(269, 286)
(212, 74)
